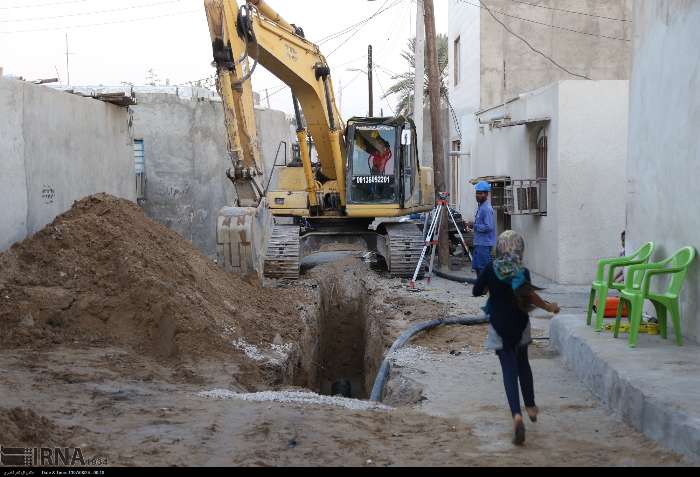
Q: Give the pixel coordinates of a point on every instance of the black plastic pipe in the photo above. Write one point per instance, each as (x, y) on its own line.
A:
(385, 369)
(454, 278)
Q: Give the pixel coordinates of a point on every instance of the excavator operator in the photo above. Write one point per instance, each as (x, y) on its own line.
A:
(380, 155)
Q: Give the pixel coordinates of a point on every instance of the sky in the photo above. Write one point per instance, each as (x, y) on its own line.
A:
(112, 42)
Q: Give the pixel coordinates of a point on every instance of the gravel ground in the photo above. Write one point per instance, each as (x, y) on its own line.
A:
(295, 397)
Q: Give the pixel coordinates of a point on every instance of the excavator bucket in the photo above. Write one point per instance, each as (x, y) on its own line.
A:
(242, 236)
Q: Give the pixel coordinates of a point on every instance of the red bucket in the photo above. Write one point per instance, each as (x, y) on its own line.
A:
(611, 304)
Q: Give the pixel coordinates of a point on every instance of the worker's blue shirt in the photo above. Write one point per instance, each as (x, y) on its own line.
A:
(485, 225)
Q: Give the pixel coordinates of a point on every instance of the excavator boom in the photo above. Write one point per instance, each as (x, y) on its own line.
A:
(255, 33)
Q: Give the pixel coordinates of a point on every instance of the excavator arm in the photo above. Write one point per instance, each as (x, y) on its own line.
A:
(243, 37)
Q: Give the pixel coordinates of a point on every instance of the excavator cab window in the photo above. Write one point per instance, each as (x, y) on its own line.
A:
(374, 160)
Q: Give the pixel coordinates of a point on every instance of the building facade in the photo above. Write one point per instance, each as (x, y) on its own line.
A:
(556, 157)
(664, 153)
(492, 47)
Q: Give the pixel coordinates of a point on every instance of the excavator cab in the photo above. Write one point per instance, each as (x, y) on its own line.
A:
(382, 161)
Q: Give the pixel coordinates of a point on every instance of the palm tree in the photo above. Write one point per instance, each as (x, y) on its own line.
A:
(405, 82)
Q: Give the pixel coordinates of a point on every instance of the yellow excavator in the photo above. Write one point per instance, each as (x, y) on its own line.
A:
(367, 168)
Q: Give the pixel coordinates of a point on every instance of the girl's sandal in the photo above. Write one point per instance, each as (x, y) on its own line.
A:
(519, 432)
(532, 413)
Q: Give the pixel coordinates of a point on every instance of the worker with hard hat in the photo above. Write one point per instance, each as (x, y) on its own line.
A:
(484, 229)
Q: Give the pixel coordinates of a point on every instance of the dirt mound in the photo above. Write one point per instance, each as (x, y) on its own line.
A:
(23, 427)
(103, 273)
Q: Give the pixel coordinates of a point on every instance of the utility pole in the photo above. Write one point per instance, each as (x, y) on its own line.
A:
(436, 124)
(369, 79)
(419, 92)
(267, 95)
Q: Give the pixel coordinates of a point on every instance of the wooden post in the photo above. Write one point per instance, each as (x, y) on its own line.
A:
(369, 78)
(436, 125)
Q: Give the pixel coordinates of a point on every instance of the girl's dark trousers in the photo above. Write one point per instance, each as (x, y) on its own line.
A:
(516, 367)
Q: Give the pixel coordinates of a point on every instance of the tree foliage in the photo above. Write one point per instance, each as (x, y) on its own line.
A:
(404, 86)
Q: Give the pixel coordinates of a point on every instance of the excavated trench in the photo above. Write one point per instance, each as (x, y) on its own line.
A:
(342, 348)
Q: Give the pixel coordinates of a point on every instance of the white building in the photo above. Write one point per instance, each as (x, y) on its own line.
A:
(559, 155)
(490, 65)
(664, 153)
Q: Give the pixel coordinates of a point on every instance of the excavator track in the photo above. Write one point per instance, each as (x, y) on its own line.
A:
(282, 259)
(405, 243)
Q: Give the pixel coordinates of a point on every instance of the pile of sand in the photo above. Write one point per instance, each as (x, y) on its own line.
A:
(103, 273)
(23, 427)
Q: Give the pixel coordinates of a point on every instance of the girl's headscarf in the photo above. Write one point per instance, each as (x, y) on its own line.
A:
(508, 264)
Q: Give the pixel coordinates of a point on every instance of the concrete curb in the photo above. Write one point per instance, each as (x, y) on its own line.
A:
(629, 386)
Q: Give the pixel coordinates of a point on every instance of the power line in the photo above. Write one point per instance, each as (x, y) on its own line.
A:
(360, 28)
(336, 67)
(71, 27)
(551, 60)
(347, 29)
(43, 4)
(384, 97)
(277, 90)
(351, 81)
(572, 11)
(544, 24)
(80, 14)
(388, 71)
(207, 80)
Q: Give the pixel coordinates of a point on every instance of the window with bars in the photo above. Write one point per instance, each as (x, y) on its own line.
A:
(140, 169)
(542, 153)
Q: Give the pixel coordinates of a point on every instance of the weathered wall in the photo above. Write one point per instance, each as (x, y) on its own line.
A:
(486, 45)
(586, 157)
(664, 146)
(186, 160)
(510, 152)
(589, 55)
(464, 23)
(591, 175)
(56, 148)
(13, 176)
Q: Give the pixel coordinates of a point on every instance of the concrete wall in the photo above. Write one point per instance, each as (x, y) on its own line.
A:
(511, 152)
(593, 56)
(592, 148)
(586, 157)
(486, 45)
(56, 148)
(664, 153)
(464, 22)
(186, 160)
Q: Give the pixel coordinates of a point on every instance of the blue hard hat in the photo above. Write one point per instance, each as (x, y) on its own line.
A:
(483, 186)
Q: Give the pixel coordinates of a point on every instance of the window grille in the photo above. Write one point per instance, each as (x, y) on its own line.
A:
(140, 166)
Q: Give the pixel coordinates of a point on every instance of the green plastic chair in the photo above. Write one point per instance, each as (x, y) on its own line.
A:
(601, 286)
(677, 267)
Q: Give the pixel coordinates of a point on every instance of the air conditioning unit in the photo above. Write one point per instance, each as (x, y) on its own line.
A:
(526, 197)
